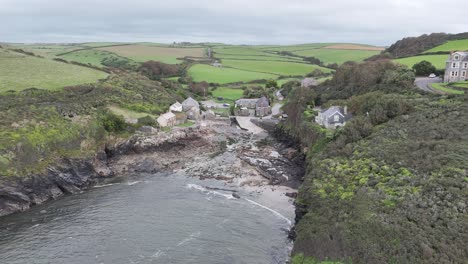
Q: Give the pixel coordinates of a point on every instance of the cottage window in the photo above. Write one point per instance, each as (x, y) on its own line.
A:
(456, 73)
(336, 118)
(452, 73)
(454, 65)
(465, 65)
(456, 57)
(463, 73)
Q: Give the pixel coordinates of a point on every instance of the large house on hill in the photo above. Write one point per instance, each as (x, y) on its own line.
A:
(456, 67)
(333, 117)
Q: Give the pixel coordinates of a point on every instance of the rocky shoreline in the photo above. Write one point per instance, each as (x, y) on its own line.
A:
(212, 150)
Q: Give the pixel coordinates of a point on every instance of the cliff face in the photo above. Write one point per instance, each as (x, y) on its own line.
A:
(70, 176)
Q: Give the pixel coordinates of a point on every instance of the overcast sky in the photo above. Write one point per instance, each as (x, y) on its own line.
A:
(379, 22)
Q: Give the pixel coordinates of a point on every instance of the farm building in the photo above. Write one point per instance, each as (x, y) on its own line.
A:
(333, 117)
(456, 67)
(217, 64)
(307, 82)
(176, 107)
(253, 107)
(166, 120)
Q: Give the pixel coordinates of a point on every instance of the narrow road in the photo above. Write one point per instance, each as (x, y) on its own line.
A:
(424, 83)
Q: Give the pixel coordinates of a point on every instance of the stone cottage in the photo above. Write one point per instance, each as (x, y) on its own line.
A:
(166, 120)
(333, 117)
(253, 107)
(456, 67)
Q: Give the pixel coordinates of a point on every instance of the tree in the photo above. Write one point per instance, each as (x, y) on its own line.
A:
(200, 88)
(424, 68)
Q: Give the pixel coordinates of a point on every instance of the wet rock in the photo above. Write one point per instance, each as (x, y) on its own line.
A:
(235, 195)
(291, 194)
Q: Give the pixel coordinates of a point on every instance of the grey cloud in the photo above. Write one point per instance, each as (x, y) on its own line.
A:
(242, 21)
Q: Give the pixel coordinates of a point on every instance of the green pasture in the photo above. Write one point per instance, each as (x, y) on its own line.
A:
(452, 45)
(274, 67)
(20, 72)
(444, 88)
(203, 72)
(228, 93)
(437, 60)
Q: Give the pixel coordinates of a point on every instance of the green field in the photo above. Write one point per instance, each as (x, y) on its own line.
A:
(453, 45)
(274, 67)
(142, 53)
(338, 56)
(437, 60)
(266, 57)
(20, 71)
(442, 87)
(228, 93)
(203, 72)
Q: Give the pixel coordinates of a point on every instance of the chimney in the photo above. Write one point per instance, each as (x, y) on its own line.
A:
(345, 110)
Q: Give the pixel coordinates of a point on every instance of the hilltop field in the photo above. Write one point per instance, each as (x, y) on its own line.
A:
(52, 66)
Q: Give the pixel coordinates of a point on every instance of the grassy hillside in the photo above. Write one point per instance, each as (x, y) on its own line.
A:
(437, 60)
(71, 122)
(453, 45)
(203, 72)
(19, 71)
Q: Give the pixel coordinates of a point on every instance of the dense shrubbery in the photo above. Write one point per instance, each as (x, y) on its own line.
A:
(359, 78)
(389, 186)
(156, 70)
(112, 122)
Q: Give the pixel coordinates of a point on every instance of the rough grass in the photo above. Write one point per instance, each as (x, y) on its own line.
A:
(203, 72)
(274, 67)
(142, 53)
(129, 115)
(19, 72)
(339, 56)
(437, 60)
(453, 45)
(228, 93)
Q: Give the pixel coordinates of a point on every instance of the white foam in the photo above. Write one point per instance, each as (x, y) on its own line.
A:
(191, 237)
(105, 185)
(271, 210)
(158, 254)
(208, 192)
(133, 183)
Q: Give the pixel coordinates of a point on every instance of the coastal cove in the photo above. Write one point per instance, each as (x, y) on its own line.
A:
(211, 194)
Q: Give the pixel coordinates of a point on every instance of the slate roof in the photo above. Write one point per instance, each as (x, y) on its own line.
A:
(332, 110)
(262, 102)
(246, 101)
(167, 115)
(190, 102)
